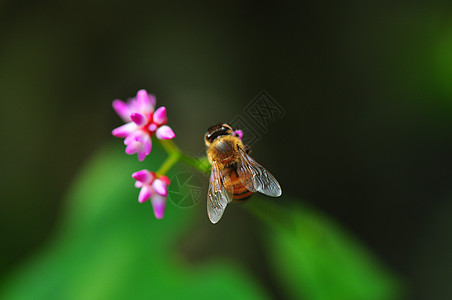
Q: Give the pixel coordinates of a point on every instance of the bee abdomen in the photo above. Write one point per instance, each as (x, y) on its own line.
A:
(242, 196)
(240, 193)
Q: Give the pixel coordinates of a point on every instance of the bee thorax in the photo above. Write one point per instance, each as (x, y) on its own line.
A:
(224, 151)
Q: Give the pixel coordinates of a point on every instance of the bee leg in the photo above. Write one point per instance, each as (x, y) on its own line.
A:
(247, 149)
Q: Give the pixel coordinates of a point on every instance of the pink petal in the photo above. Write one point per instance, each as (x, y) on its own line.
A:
(124, 130)
(138, 184)
(137, 135)
(122, 109)
(152, 100)
(158, 203)
(138, 119)
(165, 133)
(160, 116)
(160, 187)
(143, 176)
(139, 143)
(165, 179)
(153, 127)
(147, 143)
(133, 105)
(239, 133)
(141, 154)
(132, 137)
(133, 147)
(145, 194)
(145, 101)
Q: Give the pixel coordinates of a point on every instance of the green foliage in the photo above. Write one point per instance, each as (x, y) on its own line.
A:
(314, 259)
(111, 247)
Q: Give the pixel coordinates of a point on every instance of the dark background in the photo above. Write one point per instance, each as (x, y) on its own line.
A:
(366, 89)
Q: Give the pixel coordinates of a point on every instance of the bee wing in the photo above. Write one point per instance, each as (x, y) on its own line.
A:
(256, 178)
(218, 195)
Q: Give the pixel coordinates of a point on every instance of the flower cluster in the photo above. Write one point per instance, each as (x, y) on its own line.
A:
(152, 187)
(142, 122)
(238, 133)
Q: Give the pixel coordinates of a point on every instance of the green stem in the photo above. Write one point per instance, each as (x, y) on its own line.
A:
(170, 161)
(201, 164)
(169, 146)
(175, 155)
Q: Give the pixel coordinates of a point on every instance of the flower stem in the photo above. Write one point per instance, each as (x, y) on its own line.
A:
(201, 164)
(175, 155)
(170, 161)
(169, 146)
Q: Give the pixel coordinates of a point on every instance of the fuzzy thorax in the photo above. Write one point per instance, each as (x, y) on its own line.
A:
(224, 150)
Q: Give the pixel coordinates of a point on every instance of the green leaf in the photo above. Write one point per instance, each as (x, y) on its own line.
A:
(109, 246)
(314, 259)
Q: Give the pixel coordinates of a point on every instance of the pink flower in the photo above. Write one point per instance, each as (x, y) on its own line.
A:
(141, 123)
(238, 133)
(152, 187)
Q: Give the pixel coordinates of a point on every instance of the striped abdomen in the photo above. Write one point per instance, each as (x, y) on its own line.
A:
(240, 191)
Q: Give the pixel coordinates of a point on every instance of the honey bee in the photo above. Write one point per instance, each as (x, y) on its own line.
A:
(234, 174)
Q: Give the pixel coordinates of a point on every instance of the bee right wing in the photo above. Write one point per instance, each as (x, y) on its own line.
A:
(256, 178)
(217, 196)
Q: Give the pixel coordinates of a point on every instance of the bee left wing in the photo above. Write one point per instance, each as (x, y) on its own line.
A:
(218, 195)
(257, 178)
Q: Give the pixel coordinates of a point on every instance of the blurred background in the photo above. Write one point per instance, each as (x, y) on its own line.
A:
(365, 138)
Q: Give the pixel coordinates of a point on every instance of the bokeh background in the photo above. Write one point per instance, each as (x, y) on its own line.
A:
(366, 138)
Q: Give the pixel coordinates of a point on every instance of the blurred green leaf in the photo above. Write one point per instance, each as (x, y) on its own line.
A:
(314, 259)
(110, 247)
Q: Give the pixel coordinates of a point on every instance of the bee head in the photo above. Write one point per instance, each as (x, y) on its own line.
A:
(215, 131)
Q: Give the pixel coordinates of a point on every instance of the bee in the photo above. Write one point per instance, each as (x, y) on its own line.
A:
(234, 174)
